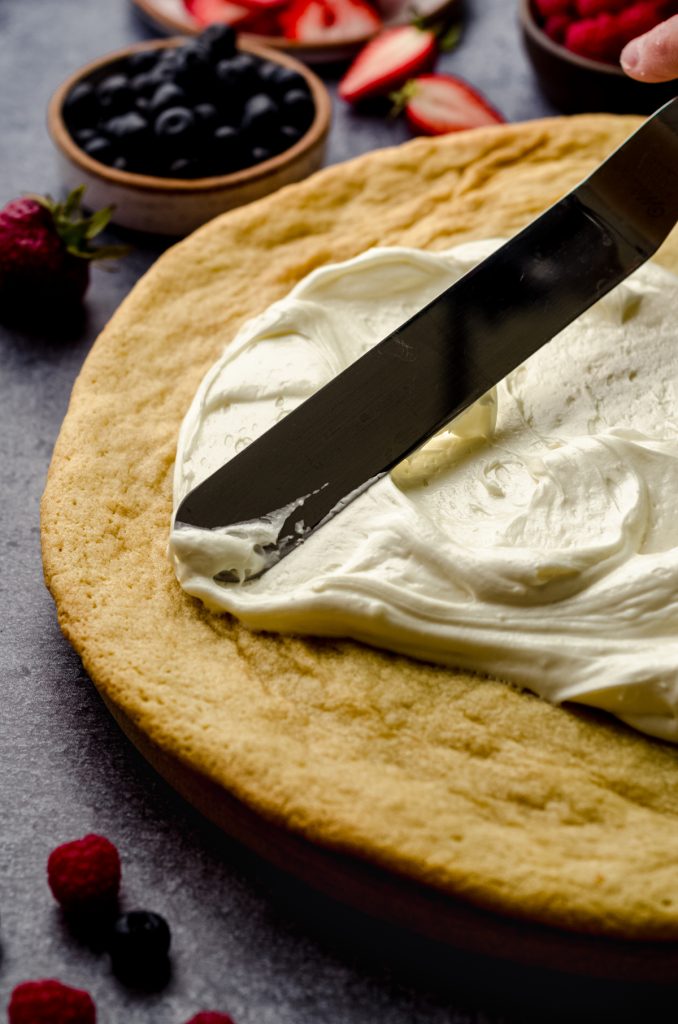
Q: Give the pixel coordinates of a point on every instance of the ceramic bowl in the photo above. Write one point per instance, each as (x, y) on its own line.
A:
(174, 206)
(172, 16)
(576, 84)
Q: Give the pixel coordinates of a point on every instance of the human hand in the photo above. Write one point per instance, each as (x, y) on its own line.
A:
(653, 57)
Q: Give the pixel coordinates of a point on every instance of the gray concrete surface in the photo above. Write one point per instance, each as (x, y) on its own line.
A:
(246, 940)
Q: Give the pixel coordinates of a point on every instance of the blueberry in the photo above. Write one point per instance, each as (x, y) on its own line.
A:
(147, 82)
(115, 94)
(280, 78)
(142, 61)
(127, 131)
(207, 115)
(288, 134)
(175, 124)
(298, 108)
(260, 116)
(238, 73)
(218, 41)
(144, 84)
(80, 106)
(167, 60)
(227, 149)
(84, 135)
(139, 944)
(187, 167)
(259, 154)
(267, 71)
(100, 149)
(166, 95)
(120, 163)
(193, 70)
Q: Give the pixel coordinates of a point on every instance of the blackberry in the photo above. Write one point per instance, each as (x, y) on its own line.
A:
(139, 946)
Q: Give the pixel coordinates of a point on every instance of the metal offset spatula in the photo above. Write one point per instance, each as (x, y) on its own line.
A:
(391, 400)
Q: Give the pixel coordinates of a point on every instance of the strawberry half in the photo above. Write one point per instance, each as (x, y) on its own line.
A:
(438, 104)
(387, 61)
(323, 21)
(263, 6)
(209, 12)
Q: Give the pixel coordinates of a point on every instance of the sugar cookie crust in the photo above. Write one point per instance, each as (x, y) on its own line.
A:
(467, 785)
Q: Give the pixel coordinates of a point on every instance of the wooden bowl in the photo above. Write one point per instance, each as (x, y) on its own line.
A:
(575, 84)
(172, 16)
(176, 206)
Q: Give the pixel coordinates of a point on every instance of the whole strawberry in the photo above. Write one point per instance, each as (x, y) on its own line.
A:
(45, 252)
(84, 875)
(49, 1002)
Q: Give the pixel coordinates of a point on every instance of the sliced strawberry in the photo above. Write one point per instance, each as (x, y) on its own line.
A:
(264, 5)
(207, 12)
(262, 22)
(322, 21)
(387, 61)
(437, 104)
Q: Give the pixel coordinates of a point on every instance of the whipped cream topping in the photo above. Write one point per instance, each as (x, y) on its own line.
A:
(535, 539)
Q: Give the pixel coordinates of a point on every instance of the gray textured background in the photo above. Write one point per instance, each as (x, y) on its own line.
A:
(246, 940)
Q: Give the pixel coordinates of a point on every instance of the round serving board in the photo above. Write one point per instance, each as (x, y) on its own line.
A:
(464, 810)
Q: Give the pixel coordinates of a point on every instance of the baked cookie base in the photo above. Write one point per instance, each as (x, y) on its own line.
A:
(465, 787)
(396, 900)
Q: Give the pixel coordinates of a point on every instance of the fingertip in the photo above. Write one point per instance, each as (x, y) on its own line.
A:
(631, 58)
(653, 57)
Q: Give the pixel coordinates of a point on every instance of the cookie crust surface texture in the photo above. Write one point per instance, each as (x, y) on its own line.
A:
(466, 785)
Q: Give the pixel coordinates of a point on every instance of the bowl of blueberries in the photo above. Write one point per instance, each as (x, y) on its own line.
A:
(173, 132)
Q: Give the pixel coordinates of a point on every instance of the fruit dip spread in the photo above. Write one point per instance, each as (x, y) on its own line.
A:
(535, 539)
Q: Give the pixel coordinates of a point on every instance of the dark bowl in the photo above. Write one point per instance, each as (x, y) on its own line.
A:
(576, 84)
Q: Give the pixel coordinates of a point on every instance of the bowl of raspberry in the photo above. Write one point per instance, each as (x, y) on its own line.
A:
(575, 45)
(173, 132)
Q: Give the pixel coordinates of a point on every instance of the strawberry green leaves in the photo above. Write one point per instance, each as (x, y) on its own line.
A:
(76, 230)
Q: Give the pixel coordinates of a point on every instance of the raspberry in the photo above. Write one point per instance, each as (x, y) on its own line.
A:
(84, 875)
(209, 1017)
(589, 8)
(595, 38)
(639, 18)
(556, 26)
(550, 8)
(50, 1002)
(603, 37)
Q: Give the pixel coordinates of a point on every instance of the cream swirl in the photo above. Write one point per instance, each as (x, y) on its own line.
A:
(535, 540)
